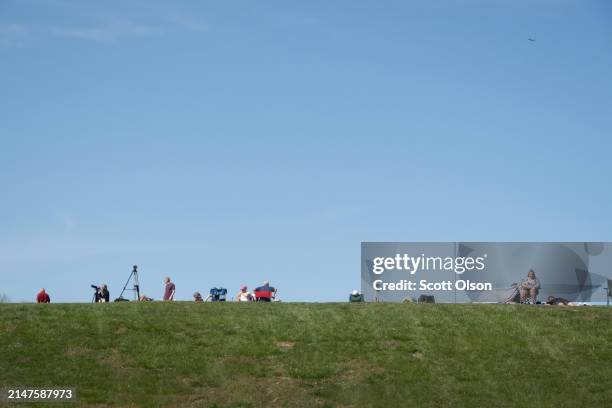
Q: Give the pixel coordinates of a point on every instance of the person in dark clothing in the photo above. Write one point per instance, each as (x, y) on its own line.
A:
(169, 289)
(102, 294)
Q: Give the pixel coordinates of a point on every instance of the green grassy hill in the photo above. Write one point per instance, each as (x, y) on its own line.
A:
(311, 355)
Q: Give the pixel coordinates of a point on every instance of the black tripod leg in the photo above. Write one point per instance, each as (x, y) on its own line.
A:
(126, 283)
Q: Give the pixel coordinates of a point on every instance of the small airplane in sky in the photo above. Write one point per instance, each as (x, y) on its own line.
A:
(531, 39)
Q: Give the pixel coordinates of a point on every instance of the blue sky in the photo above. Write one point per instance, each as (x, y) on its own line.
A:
(229, 142)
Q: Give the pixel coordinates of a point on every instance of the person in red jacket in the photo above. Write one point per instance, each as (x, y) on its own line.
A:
(43, 297)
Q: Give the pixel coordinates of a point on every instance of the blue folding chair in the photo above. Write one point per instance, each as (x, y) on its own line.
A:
(218, 294)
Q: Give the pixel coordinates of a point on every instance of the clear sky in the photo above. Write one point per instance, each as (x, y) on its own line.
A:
(228, 142)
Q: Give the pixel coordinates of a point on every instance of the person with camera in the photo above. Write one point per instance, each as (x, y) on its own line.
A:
(102, 294)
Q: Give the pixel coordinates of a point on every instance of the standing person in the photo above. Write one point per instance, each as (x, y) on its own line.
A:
(43, 297)
(530, 286)
(169, 289)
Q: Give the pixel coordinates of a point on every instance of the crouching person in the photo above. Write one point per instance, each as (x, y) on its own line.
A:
(43, 297)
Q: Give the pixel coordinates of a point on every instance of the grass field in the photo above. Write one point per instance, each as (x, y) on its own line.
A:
(311, 355)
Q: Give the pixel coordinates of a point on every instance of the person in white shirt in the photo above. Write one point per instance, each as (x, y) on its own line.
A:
(244, 295)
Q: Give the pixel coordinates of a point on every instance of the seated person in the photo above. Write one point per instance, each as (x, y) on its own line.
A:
(529, 286)
(356, 297)
(43, 297)
(197, 297)
(145, 298)
(244, 295)
(265, 293)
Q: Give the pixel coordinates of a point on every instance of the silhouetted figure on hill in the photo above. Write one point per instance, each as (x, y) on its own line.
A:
(43, 297)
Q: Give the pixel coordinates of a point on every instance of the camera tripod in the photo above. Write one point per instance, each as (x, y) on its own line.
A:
(136, 287)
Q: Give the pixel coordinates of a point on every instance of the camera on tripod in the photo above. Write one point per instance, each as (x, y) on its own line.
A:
(135, 288)
(101, 293)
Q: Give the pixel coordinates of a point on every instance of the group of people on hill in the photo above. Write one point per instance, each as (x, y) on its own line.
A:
(527, 293)
(264, 293)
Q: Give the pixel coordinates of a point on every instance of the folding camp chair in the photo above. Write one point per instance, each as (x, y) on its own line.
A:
(263, 295)
(514, 294)
(217, 294)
